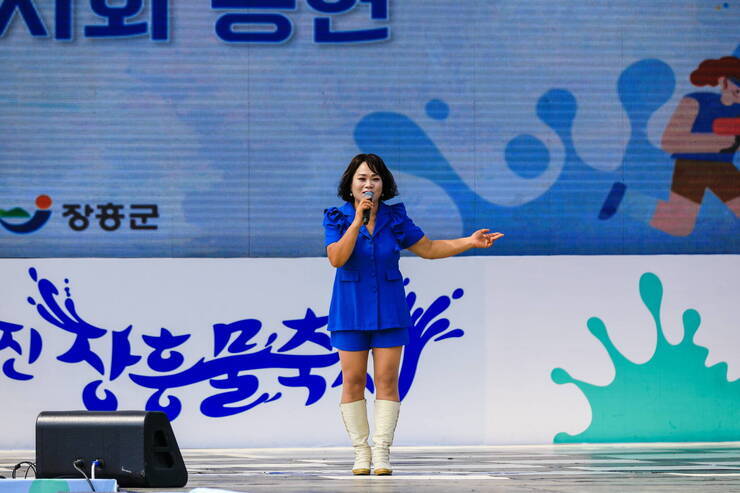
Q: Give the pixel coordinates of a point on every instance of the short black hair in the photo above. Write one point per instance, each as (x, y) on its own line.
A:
(376, 164)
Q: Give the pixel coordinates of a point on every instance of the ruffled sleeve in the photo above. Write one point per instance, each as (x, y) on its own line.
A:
(406, 232)
(334, 225)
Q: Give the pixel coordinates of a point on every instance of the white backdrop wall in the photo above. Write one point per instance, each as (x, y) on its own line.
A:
(521, 317)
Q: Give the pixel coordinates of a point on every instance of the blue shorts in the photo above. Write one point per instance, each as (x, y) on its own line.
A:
(362, 340)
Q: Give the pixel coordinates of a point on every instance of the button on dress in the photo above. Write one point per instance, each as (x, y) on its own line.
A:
(368, 289)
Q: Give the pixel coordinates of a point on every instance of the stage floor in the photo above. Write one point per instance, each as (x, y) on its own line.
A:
(549, 468)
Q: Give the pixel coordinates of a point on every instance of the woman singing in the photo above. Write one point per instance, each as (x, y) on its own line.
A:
(368, 307)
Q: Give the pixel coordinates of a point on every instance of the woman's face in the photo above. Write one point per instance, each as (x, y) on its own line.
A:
(732, 89)
(366, 180)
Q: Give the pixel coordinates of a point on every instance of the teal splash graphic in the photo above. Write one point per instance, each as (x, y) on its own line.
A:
(673, 397)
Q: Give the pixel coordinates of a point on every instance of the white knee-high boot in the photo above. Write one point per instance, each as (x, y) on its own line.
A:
(386, 417)
(354, 415)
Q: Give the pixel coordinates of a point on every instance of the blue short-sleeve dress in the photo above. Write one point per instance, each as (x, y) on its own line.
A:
(368, 292)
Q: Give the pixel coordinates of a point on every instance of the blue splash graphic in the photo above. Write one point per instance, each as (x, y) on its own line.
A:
(573, 204)
(241, 349)
(426, 326)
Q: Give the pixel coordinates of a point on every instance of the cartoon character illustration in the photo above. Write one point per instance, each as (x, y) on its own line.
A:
(702, 136)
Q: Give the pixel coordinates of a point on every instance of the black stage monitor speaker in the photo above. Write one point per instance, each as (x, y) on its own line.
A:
(136, 448)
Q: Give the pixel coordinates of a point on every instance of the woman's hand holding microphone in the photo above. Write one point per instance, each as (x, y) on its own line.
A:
(366, 204)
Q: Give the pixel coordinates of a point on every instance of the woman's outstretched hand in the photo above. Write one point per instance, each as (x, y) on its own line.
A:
(483, 239)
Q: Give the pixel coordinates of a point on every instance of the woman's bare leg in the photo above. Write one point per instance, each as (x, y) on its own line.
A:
(354, 374)
(386, 362)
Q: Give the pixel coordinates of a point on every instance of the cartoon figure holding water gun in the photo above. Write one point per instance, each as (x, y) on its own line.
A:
(702, 136)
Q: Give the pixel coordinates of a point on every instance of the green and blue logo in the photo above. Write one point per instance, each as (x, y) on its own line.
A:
(31, 223)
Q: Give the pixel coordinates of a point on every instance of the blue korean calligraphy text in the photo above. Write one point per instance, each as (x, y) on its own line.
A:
(244, 355)
(235, 27)
(121, 19)
(326, 32)
(8, 341)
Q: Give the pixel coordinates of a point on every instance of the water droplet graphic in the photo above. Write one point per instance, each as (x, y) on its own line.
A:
(437, 109)
(527, 156)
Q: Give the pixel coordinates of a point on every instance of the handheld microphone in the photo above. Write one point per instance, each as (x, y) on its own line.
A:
(366, 212)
